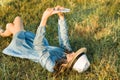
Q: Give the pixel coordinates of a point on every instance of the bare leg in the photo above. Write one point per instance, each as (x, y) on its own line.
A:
(18, 25)
(13, 28)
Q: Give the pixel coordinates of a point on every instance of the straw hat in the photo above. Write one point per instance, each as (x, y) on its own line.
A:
(81, 63)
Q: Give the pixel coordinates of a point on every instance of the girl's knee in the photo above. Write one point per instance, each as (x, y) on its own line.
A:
(17, 19)
(18, 23)
(9, 26)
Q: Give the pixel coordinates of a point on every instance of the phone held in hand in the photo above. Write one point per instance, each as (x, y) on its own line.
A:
(64, 10)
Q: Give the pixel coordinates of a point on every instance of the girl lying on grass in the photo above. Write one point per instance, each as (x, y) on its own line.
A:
(26, 44)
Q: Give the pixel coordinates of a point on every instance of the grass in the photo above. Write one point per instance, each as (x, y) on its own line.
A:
(94, 24)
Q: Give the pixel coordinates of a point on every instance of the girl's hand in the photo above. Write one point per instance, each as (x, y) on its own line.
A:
(47, 13)
(56, 11)
(50, 11)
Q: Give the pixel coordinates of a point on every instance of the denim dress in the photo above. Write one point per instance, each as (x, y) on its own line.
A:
(27, 45)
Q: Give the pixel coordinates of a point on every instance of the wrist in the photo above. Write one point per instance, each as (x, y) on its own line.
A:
(44, 18)
(61, 17)
(43, 21)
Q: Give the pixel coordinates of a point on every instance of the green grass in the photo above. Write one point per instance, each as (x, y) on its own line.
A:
(94, 24)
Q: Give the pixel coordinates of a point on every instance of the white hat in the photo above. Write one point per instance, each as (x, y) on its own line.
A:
(82, 63)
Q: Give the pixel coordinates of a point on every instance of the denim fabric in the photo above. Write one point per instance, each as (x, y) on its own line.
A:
(36, 47)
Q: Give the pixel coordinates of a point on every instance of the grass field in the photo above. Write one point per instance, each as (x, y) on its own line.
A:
(94, 24)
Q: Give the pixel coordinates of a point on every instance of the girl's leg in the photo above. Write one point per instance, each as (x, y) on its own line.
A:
(18, 25)
(13, 28)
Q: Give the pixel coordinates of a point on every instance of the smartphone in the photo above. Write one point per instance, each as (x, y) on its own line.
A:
(64, 10)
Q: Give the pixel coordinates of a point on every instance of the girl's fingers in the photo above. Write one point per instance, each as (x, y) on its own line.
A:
(55, 10)
(59, 8)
